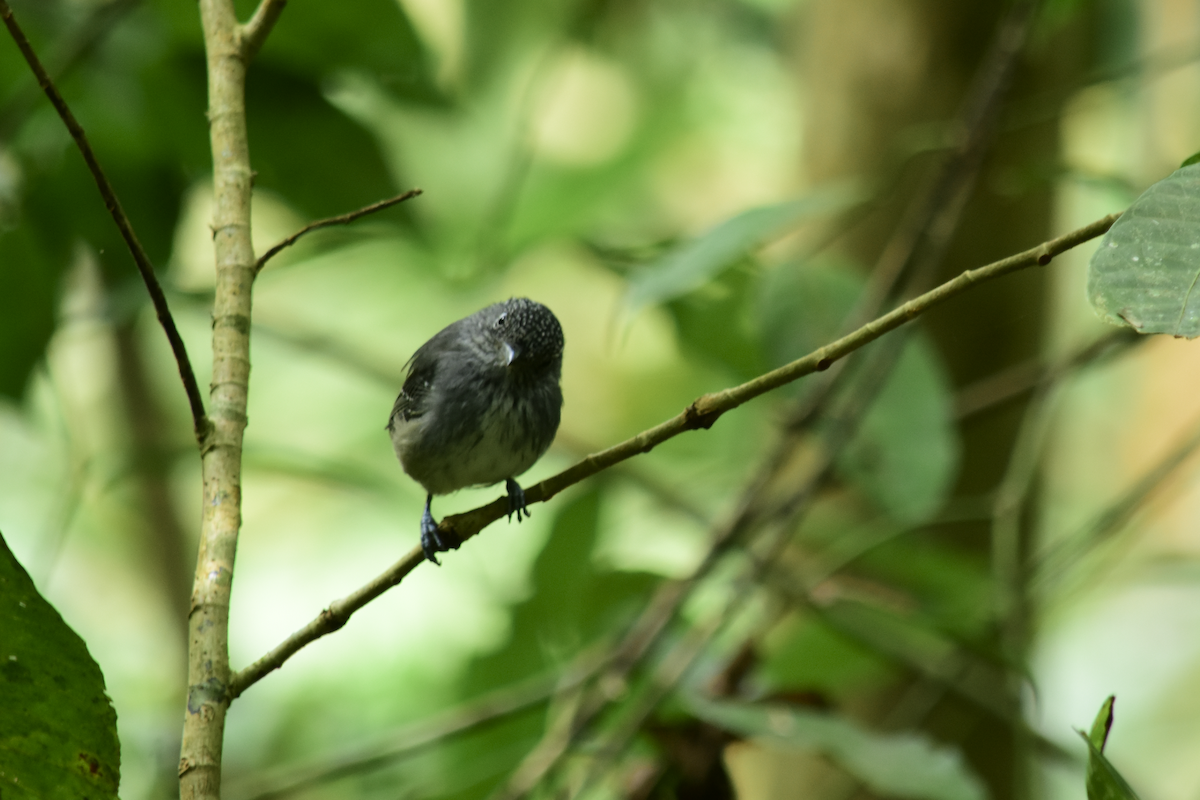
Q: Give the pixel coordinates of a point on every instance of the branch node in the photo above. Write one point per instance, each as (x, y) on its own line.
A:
(255, 31)
(331, 620)
(695, 417)
(204, 430)
(824, 364)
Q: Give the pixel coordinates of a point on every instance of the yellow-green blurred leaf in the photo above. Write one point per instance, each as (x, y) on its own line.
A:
(698, 261)
(907, 765)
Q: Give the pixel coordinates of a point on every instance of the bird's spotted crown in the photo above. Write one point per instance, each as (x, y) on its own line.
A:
(531, 326)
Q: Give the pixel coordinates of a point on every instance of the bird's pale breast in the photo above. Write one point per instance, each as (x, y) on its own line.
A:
(503, 445)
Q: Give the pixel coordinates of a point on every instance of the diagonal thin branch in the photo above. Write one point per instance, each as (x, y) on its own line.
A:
(341, 219)
(258, 28)
(702, 413)
(1027, 376)
(1049, 566)
(200, 420)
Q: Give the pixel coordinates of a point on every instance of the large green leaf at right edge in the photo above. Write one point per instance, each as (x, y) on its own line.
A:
(1145, 272)
(908, 765)
(58, 730)
(905, 453)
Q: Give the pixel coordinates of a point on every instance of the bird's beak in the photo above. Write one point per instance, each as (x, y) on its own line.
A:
(510, 354)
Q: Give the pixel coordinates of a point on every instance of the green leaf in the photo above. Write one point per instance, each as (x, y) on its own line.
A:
(814, 656)
(950, 585)
(1103, 780)
(1194, 158)
(310, 170)
(1145, 272)
(694, 263)
(905, 454)
(895, 765)
(1103, 724)
(27, 306)
(717, 323)
(319, 39)
(58, 731)
(804, 306)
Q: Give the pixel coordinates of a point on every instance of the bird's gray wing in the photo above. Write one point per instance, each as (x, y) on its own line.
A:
(412, 402)
(415, 395)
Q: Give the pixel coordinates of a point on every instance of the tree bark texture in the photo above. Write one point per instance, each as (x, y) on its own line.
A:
(221, 454)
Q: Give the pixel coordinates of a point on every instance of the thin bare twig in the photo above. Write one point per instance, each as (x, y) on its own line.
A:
(1053, 561)
(1008, 512)
(200, 420)
(341, 219)
(328, 621)
(259, 26)
(702, 413)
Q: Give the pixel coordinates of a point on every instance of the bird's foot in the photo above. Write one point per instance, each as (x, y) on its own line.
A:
(434, 541)
(516, 500)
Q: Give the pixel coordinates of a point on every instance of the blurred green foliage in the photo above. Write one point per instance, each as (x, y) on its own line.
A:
(900, 765)
(641, 168)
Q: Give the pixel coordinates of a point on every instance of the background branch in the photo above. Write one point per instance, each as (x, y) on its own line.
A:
(411, 739)
(1027, 376)
(916, 249)
(341, 219)
(200, 422)
(1049, 566)
(83, 41)
(702, 413)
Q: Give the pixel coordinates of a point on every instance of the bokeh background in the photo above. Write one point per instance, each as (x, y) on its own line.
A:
(573, 151)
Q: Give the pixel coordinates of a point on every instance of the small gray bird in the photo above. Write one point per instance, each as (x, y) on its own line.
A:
(480, 404)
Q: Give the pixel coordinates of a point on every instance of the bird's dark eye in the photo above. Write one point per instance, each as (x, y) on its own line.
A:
(500, 320)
